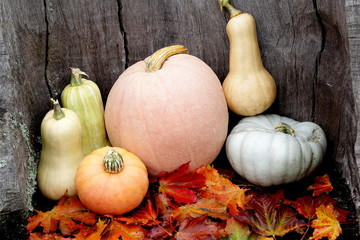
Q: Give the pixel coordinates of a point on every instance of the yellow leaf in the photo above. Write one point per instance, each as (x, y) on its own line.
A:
(326, 224)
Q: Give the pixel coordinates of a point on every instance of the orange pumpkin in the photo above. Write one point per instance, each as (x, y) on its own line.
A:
(168, 109)
(111, 181)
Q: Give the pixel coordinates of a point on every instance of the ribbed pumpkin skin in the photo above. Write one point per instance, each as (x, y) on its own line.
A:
(168, 117)
(111, 193)
(86, 101)
(266, 157)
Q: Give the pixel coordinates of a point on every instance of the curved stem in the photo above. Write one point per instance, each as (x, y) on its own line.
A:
(76, 76)
(226, 4)
(157, 59)
(58, 112)
(113, 161)
(284, 128)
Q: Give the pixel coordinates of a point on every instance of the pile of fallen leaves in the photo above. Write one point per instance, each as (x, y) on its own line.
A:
(202, 204)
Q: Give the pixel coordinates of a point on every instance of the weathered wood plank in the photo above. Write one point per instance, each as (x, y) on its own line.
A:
(87, 35)
(353, 23)
(22, 59)
(198, 25)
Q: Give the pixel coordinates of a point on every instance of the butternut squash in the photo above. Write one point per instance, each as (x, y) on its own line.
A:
(61, 152)
(249, 88)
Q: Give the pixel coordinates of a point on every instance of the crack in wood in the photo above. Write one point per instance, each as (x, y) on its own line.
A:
(318, 58)
(123, 33)
(47, 50)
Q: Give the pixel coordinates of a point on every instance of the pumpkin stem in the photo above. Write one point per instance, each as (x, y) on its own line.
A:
(226, 4)
(58, 112)
(113, 161)
(76, 77)
(157, 59)
(284, 128)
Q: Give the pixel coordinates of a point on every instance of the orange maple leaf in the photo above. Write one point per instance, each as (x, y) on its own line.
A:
(117, 229)
(322, 185)
(204, 206)
(222, 189)
(47, 236)
(97, 232)
(326, 224)
(146, 214)
(67, 216)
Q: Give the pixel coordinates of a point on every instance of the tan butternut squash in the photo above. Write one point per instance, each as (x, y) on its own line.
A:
(61, 152)
(249, 88)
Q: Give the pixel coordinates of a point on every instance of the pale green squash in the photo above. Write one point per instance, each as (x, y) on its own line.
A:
(83, 97)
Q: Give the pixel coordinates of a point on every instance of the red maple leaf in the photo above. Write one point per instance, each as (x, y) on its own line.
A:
(307, 205)
(67, 216)
(322, 185)
(199, 228)
(181, 184)
(268, 218)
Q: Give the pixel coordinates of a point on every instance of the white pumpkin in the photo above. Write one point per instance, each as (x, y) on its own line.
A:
(271, 150)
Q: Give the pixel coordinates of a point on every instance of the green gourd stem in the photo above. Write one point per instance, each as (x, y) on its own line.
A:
(113, 161)
(284, 128)
(226, 4)
(157, 59)
(58, 112)
(76, 77)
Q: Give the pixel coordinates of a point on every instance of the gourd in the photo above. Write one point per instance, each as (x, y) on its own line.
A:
(249, 88)
(169, 109)
(272, 150)
(83, 97)
(111, 181)
(60, 154)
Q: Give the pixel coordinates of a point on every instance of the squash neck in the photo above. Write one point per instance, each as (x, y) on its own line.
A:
(113, 161)
(58, 112)
(226, 4)
(157, 59)
(76, 77)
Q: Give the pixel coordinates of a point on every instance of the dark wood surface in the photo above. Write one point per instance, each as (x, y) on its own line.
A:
(310, 47)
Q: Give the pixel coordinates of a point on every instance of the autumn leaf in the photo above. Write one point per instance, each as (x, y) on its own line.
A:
(96, 233)
(326, 223)
(222, 189)
(118, 229)
(181, 184)
(209, 207)
(146, 214)
(307, 205)
(241, 231)
(67, 216)
(322, 185)
(47, 236)
(199, 228)
(269, 219)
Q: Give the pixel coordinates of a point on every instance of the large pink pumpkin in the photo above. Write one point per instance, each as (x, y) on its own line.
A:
(169, 116)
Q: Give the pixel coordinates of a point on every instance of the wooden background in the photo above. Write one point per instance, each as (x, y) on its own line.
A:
(311, 47)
